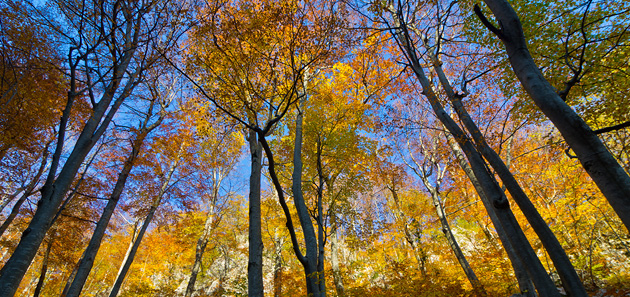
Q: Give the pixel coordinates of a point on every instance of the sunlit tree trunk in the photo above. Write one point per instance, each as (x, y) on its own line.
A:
(598, 162)
(491, 189)
(87, 259)
(202, 242)
(120, 278)
(424, 175)
(334, 258)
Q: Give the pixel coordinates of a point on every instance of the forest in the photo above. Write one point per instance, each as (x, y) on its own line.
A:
(315, 148)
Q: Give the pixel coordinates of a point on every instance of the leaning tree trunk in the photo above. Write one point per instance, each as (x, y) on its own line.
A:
(524, 281)
(57, 185)
(87, 259)
(570, 280)
(44, 270)
(145, 224)
(446, 228)
(598, 162)
(491, 189)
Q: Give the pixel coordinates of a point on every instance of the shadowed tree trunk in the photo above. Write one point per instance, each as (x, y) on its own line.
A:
(77, 281)
(524, 281)
(254, 268)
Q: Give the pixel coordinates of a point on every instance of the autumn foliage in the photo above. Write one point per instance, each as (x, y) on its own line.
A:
(368, 119)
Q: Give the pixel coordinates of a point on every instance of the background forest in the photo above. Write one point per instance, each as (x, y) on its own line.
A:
(314, 147)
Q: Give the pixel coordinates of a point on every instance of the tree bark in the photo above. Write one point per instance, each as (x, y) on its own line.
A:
(56, 186)
(310, 240)
(491, 189)
(334, 260)
(446, 228)
(145, 224)
(87, 259)
(524, 281)
(254, 268)
(598, 162)
(202, 242)
(570, 280)
(44, 270)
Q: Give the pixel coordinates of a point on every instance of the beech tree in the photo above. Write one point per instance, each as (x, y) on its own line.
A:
(604, 169)
(103, 68)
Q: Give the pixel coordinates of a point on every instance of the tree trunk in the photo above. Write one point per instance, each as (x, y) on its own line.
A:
(43, 271)
(277, 266)
(254, 268)
(491, 189)
(56, 186)
(310, 240)
(87, 259)
(598, 162)
(334, 259)
(570, 280)
(145, 224)
(202, 242)
(524, 281)
(446, 228)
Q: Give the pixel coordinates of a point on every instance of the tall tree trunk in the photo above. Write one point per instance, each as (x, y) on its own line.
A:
(320, 220)
(145, 224)
(334, 259)
(254, 268)
(277, 266)
(310, 240)
(491, 189)
(202, 242)
(44, 270)
(598, 162)
(524, 281)
(570, 280)
(56, 186)
(446, 228)
(87, 259)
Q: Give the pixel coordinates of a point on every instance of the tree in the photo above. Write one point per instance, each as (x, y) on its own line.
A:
(542, 282)
(103, 68)
(600, 164)
(255, 71)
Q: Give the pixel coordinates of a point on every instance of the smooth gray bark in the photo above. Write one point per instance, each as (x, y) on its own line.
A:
(87, 259)
(570, 280)
(310, 240)
(524, 281)
(56, 186)
(120, 278)
(254, 268)
(491, 189)
(599, 163)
